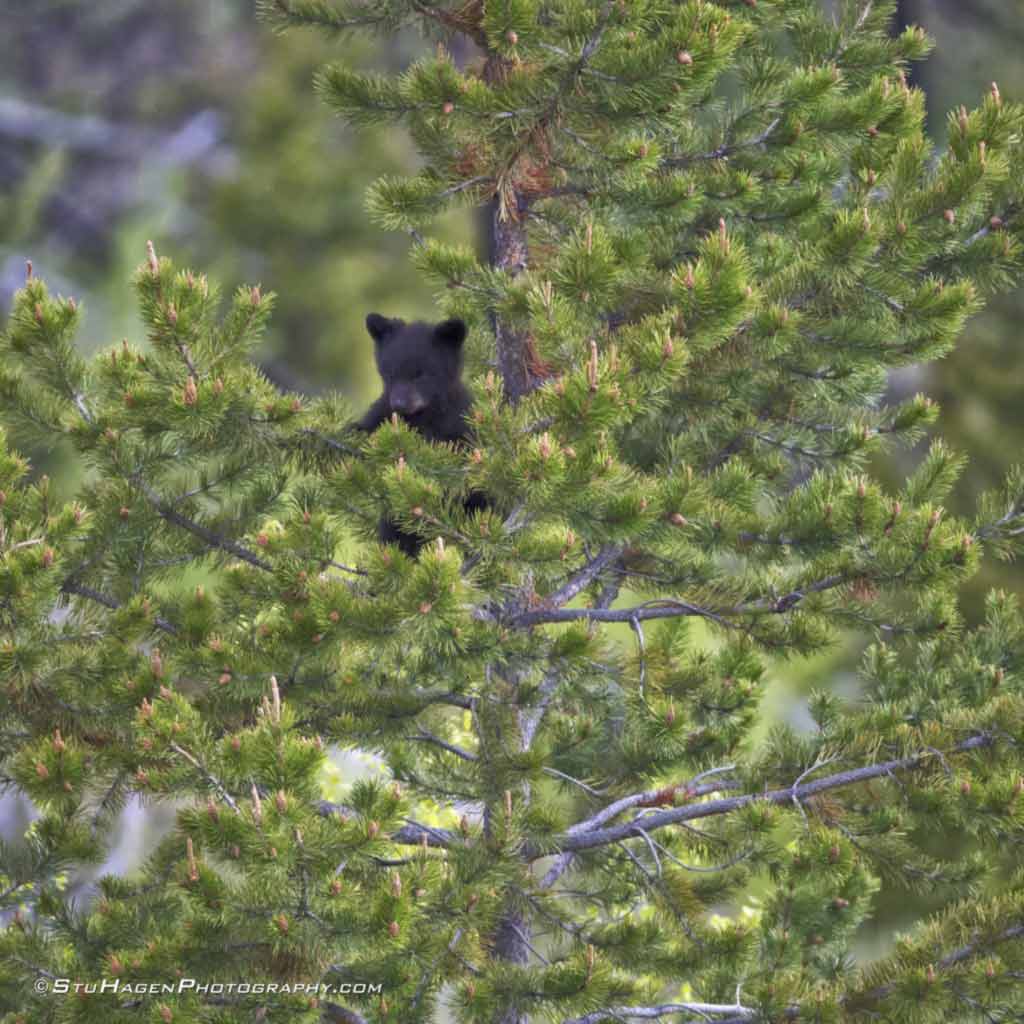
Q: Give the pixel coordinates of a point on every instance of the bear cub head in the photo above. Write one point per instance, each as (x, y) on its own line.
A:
(420, 365)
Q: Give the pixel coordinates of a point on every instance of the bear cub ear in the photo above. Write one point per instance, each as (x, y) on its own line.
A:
(381, 327)
(451, 332)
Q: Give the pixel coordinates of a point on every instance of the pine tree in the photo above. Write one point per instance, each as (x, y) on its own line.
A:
(716, 227)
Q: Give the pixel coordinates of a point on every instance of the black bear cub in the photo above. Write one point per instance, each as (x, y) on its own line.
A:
(420, 365)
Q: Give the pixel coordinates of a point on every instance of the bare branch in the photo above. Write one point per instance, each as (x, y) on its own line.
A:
(670, 608)
(595, 837)
(655, 797)
(584, 577)
(651, 797)
(665, 608)
(703, 1010)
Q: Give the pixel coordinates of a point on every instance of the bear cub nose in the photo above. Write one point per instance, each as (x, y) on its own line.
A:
(406, 400)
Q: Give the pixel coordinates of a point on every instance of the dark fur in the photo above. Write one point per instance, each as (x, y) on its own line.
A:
(420, 366)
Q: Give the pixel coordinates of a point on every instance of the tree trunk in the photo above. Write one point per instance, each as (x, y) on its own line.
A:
(509, 252)
(504, 234)
(502, 727)
(509, 945)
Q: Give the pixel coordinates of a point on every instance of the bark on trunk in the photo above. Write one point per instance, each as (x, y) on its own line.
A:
(509, 946)
(501, 728)
(510, 253)
(507, 250)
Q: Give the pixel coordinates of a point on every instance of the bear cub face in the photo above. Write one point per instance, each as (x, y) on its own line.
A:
(420, 366)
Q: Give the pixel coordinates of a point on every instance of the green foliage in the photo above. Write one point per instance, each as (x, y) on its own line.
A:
(718, 226)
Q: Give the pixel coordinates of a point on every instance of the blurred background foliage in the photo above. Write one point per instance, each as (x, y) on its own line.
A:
(191, 123)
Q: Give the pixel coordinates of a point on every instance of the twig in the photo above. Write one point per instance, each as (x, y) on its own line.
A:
(207, 775)
(725, 150)
(526, 942)
(428, 737)
(709, 868)
(814, 767)
(555, 773)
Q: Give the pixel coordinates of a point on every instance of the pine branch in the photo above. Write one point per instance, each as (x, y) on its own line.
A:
(591, 45)
(211, 537)
(412, 834)
(991, 226)
(958, 956)
(453, 22)
(999, 526)
(742, 1013)
(169, 513)
(657, 797)
(649, 798)
(316, 14)
(14, 887)
(210, 779)
(596, 837)
(72, 586)
(329, 442)
(531, 719)
(726, 149)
